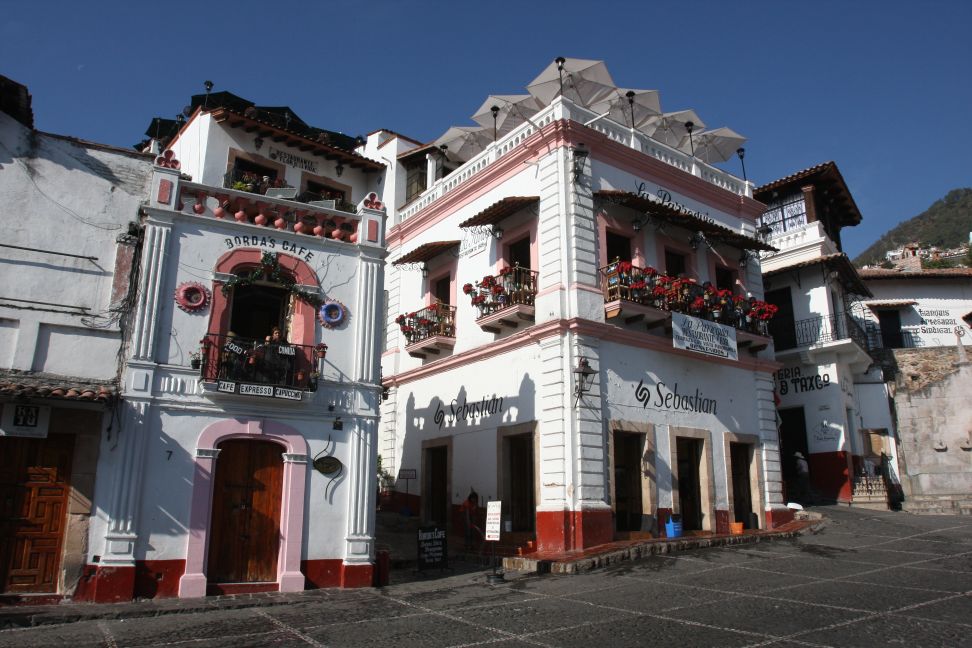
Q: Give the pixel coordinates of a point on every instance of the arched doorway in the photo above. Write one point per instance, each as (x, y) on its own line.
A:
(245, 526)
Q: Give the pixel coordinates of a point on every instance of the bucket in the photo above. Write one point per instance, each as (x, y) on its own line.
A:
(673, 528)
(735, 528)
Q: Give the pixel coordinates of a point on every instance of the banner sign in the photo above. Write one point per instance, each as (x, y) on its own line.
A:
(702, 336)
(494, 517)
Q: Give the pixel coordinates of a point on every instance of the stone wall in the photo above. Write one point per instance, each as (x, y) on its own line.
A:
(933, 406)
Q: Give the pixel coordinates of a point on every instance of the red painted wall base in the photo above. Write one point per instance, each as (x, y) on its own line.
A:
(158, 578)
(559, 531)
(778, 517)
(721, 522)
(105, 584)
(332, 572)
(830, 475)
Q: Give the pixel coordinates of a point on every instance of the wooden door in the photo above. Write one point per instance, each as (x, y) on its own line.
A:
(436, 495)
(245, 528)
(628, 450)
(740, 458)
(689, 452)
(34, 487)
(523, 508)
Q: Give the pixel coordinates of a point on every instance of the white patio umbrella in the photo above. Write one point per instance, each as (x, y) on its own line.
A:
(464, 142)
(671, 128)
(718, 144)
(582, 80)
(630, 107)
(511, 111)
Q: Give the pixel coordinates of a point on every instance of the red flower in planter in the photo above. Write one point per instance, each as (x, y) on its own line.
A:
(638, 285)
(698, 304)
(497, 289)
(659, 291)
(467, 288)
(424, 321)
(400, 320)
(624, 266)
(505, 271)
(487, 281)
(412, 315)
(478, 299)
(651, 272)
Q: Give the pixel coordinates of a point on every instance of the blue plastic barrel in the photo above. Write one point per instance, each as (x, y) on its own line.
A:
(673, 529)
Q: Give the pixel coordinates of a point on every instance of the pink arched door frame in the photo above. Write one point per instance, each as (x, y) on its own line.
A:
(289, 576)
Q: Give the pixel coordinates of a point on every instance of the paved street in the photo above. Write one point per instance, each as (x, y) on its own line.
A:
(866, 579)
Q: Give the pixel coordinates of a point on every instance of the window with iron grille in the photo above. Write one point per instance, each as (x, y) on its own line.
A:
(786, 214)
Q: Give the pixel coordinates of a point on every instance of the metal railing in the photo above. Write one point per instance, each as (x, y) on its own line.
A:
(436, 320)
(788, 334)
(512, 286)
(227, 357)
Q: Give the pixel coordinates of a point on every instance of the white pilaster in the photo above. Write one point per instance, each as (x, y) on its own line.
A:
(154, 250)
(362, 464)
(129, 457)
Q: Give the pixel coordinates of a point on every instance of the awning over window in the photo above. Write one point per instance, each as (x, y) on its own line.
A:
(426, 251)
(889, 303)
(657, 210)
(500, 210)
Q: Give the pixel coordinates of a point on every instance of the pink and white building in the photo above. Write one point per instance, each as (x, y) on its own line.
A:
(528, 359)
(244, 460)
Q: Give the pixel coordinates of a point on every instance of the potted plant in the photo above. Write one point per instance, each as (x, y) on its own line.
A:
(320, 351)
(195, 359)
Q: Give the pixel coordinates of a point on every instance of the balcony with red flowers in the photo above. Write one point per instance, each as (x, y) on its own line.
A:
(505, 300)
(635, 294)
(429, 331)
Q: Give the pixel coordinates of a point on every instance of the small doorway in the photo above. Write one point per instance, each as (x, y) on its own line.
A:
(436, 486)
(518, 253)
(618, 247)
(628, 475)
(247, 496)
(442, 289)
(793, 439)
(890, 323)
(782, 327)
(689, 457)
(518, 481)
(34, 486)
(741, 460)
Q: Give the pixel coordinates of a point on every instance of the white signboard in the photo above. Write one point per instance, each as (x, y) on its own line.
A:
(494, 516)
(703, 336)
(25, 420)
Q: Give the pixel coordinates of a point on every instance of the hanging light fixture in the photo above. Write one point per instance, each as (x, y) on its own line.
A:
(583, 377)
(581, 154)
(339, 169)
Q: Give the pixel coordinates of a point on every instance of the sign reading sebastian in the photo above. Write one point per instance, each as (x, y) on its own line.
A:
(702, 336)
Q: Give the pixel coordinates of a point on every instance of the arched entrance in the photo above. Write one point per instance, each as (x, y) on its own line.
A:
(291, 447)
(247, 491)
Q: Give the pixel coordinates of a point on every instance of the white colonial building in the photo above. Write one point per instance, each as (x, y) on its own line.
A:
(834, 402)
(66, 262)
(529, 357)
(243, 457)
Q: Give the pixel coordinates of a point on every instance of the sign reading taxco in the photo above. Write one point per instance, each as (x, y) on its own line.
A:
(702, 336)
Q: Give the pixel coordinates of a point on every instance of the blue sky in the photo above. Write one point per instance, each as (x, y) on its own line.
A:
(881, 87)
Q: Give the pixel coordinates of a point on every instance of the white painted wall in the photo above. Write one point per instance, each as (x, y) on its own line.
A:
(63, 195)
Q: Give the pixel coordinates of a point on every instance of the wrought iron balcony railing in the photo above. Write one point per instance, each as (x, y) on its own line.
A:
(512, 286)
(788, 334)
(259, 362)
(437, 320)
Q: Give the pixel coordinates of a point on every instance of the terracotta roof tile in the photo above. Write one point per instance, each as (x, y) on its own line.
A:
(26, 384)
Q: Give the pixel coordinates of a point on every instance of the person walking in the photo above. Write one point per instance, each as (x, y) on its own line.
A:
(803, 478)
(470, 512)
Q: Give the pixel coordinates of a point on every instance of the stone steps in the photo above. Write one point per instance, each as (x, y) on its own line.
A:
(939, 505)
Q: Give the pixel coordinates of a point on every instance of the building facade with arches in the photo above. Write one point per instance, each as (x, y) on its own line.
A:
(245, 451)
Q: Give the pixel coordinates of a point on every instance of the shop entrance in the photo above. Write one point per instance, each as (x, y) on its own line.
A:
(793, 439)
(518, 482)
(435, 496)
(741, 460)
(689, 453)
(34, 487)
(245, 527)
(628, 474)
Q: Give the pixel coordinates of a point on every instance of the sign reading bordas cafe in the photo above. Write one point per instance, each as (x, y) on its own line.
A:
(702, 336)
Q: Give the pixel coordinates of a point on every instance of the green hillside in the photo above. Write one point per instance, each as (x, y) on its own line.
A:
(946, 223)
